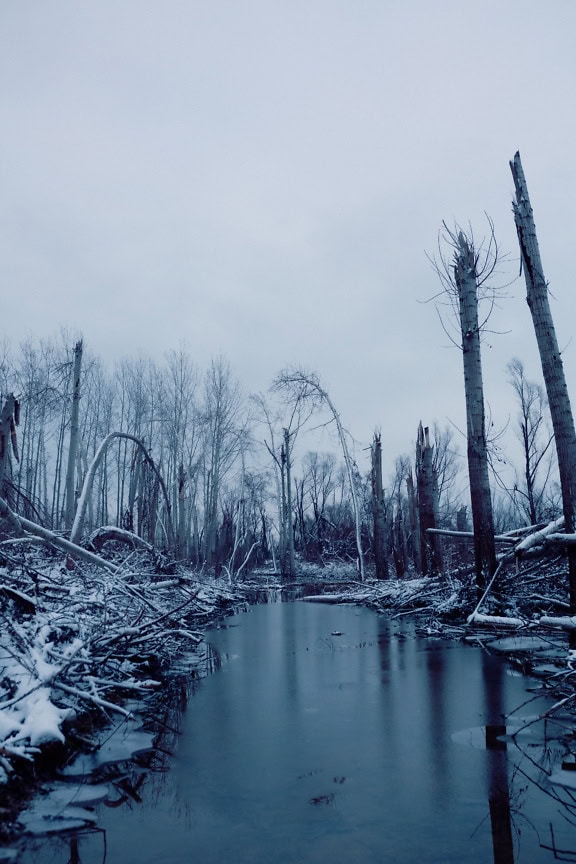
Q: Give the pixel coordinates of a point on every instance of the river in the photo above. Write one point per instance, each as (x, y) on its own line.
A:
(331, 734)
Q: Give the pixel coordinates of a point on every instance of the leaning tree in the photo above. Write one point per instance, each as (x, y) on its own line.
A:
(302, 386)
(550, 357)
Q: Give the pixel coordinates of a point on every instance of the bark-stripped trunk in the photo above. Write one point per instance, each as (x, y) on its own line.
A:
(466, 280)
(9, 419)
(378, 510)
(551, 360)
(413, 537)
(73, 446)
(289, 528)
(427, 492)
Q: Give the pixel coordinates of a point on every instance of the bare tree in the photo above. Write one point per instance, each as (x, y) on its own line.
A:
(535, 440)
(70, 505)
(465, 282)
(427, 491)
(224, 430)
(302, 386)
(550, 358)
(378, 509)
(9, 419)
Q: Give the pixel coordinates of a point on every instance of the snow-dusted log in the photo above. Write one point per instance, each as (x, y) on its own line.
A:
(76, 532)
(565, 622)
(49, 537)
(496, 620)
(446, 532)
(561, 539)
(538, 538)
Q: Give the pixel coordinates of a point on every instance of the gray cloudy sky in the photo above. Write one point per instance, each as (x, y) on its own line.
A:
(262, 179)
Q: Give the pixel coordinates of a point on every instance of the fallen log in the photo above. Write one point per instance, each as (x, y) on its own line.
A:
(21, 525)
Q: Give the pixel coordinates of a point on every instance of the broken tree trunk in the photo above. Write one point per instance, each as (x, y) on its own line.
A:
(466, 281)
(9, 418)
(550, 357)
(73, 446)
(427, 496)
(290, 564)
(378, 510)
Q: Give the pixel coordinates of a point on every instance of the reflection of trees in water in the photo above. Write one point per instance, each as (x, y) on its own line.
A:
(532, 759)
(497, 761)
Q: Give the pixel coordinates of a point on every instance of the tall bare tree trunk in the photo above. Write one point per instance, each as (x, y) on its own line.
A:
(413, 535)
(289, 527)
(466, 281)
(378, 511)
(73, 446)
(427, 494)
(550, 358)
(9, 419)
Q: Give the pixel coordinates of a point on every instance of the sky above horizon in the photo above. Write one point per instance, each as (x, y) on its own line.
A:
(264, 180)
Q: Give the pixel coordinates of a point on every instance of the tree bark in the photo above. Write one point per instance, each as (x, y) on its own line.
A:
(466, 281)
(9, 418)
(550, 358)
(378, 510)
(73, 446)
(289, 527)
(427, 492)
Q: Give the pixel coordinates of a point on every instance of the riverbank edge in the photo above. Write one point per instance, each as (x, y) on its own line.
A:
(441, 607)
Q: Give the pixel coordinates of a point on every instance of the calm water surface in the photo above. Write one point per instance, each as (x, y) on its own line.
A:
(331, 734)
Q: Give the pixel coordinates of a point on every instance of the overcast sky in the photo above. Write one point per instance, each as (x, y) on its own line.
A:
(263, 179)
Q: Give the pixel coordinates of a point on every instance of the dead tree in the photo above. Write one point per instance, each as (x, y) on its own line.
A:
(73, 446)
(378, 510)
(288, 566)
(550, 358)
(9, 419)
(76, 531)
(305, 386)
(427, 497)
(465, 282)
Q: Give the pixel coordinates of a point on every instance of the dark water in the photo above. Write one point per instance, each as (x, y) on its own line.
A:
(330, 734)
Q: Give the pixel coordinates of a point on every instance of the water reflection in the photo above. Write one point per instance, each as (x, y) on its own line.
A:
(497, 761)
(331, 734)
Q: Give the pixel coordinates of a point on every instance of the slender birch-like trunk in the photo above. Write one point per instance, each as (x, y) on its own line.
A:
(73, 446)
(550, 358)
(466, 281)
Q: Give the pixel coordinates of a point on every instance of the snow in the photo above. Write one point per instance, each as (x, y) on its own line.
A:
(73, 648)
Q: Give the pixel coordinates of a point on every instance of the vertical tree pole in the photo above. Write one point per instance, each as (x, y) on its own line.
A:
(466, 280)
(427, 489)
(9, 419)
(74, 429)
(378, 511)
(288, 524)
(550, 358)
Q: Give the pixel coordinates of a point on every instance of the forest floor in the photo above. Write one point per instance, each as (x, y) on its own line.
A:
(82, 647)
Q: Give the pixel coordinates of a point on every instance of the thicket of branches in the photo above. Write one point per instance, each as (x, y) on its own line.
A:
(181, 459)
